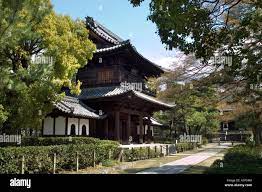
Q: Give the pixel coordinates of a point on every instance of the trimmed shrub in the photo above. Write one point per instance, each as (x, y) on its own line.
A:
(243, 154)
(180, 147)
(46, 141)
(241, 159)
(204, 141)
(39, 159)
(140, 153)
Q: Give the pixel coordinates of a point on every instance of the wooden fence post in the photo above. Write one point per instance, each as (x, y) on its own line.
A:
(155, 151)
(94, 158)
(23, 165)
(77, 162)
(140, 153)
(54, 163)
(161, 150)
(148, 152)
(167, 152)
(132, 154)
(109, 154)
(120, 155)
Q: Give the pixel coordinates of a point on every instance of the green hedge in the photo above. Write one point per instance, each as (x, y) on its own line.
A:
(180, 147)
(140, 153)
(241, 159)
(45, 141)
(39, 159)
(204, 141)
(144, 153)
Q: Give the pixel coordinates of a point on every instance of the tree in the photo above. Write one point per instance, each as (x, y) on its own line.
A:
(231, 28)
(195, 105)
(30, 29)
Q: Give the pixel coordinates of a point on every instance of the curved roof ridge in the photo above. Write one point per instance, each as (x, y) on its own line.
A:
(102, 31)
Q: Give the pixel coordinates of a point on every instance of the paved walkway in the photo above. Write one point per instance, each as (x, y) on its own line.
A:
(180, 165)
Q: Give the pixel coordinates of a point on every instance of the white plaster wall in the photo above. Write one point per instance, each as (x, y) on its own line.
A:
(48, 126)
(86, 123)
(60, 123)
(70, 122)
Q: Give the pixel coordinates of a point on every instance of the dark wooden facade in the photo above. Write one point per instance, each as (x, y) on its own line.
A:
(117, 61)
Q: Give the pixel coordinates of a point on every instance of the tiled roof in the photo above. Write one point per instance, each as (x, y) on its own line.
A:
(103, 32)
(153, 121)
(115, 47)
(99, 92)
(74, 106)
(118, 43)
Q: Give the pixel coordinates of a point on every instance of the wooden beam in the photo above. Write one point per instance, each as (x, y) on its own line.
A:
(106, 128)
(42, 130)
(117, 126)
(54, 126)
(141, 134)
(149, 135)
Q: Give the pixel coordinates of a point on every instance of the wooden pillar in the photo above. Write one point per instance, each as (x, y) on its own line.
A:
(54, 126)
(66, 126)
(128, 126)
(141, 128)
(149, 136)
(106, 129)
(94, 128)
(42, 130)
(78, 127)
(117, 126)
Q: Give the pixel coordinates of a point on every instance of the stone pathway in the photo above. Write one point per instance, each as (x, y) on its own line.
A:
(180, 165)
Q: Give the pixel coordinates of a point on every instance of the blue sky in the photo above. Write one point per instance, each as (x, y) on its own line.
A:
(126, 21)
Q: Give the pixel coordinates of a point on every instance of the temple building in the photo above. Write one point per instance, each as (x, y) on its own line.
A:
(115, 102)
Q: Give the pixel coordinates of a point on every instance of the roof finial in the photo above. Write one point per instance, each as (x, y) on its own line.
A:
(90, 21)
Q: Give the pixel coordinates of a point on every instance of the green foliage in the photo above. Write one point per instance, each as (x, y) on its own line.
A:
(250, 141)
(45, 141)
(239, 160)
(140, 153)
(204, 27)
(39, 159)
(195, 111)
(204, 140)
(28, 89)
(207, 28)
(109, 163)
(180, 147)
(3, 115)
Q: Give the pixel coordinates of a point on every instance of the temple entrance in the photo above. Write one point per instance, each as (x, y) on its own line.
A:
(123, 129)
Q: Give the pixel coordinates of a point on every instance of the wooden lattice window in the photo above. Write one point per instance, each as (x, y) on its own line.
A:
(105, 76)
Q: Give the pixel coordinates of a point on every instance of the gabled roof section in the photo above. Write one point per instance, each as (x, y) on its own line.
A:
(73, 106)
(115, 43)
(103, 92)
(148, 65)
(102, 31)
